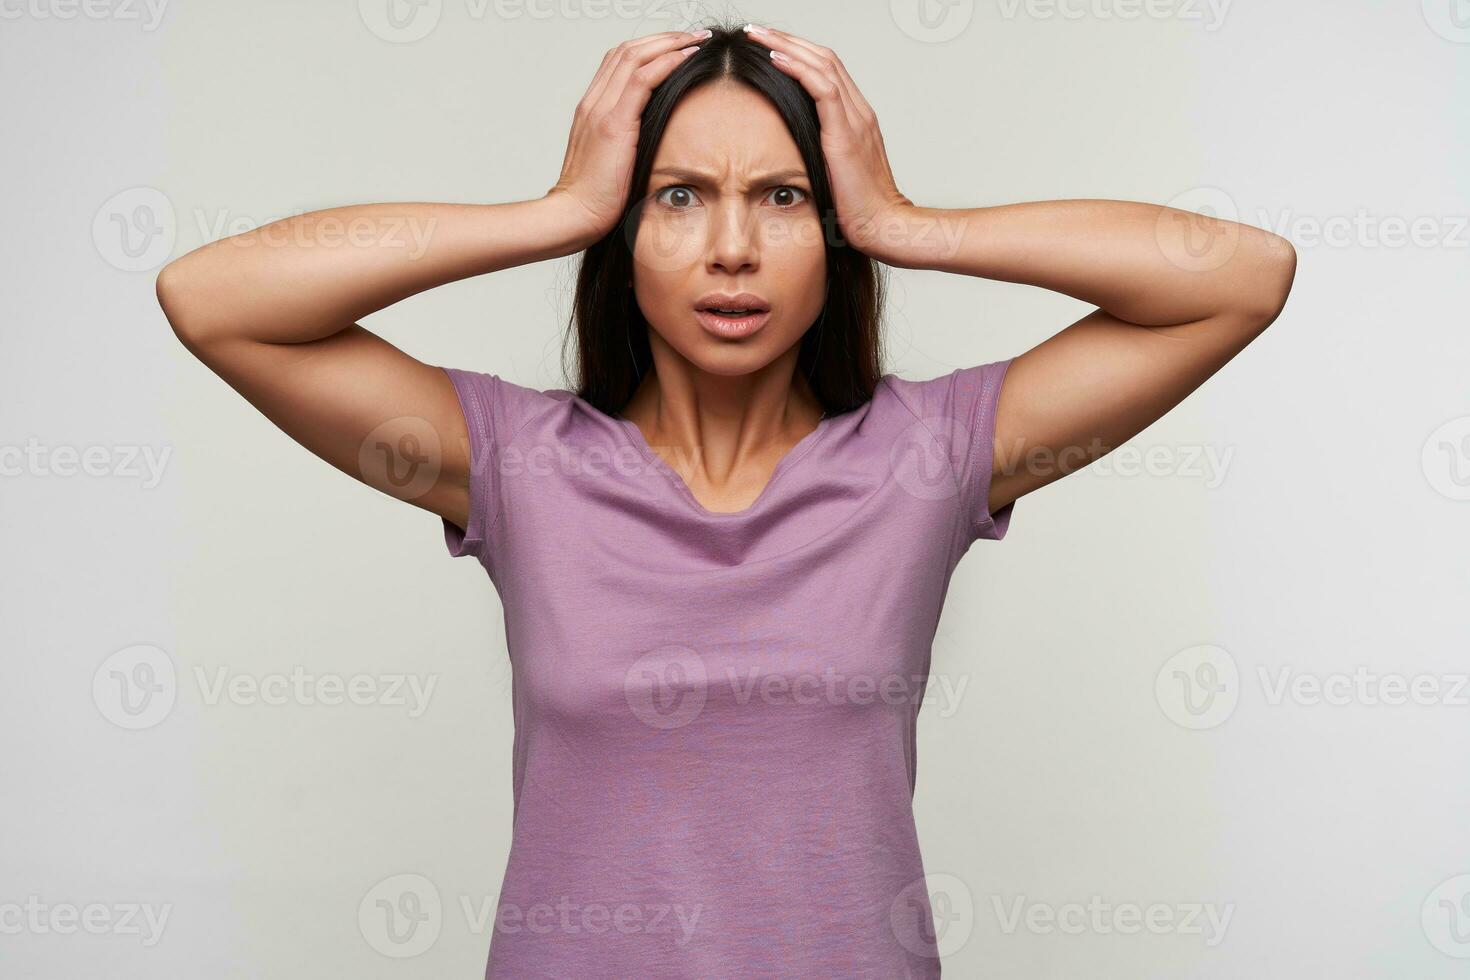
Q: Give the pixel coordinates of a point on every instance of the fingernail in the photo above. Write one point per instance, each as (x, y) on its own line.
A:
(753, 29)
(778, 56)
(703, 32)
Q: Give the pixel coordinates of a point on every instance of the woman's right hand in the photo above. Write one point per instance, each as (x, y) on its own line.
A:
(604, 138)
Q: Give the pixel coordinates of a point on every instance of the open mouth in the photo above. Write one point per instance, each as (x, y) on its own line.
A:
(732, 322)
(732, 315)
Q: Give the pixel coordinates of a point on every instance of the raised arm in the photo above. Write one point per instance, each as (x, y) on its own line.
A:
(1178, 295)
(274, 311)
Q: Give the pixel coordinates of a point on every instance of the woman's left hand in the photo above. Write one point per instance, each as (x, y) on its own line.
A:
(870, 209)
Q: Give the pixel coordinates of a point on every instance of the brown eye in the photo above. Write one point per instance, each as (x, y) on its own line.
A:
(786, 197)
(682, 197)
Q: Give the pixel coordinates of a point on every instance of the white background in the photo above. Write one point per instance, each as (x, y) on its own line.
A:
(1330, 538)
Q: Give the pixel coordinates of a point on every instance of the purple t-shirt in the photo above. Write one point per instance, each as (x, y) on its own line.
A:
(715, 713)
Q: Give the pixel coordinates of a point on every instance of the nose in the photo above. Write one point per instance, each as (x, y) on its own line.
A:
(732, 245)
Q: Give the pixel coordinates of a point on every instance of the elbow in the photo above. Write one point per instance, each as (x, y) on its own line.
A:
(1271, 272)
(177, 291)
(1281, 272)
(168, 287)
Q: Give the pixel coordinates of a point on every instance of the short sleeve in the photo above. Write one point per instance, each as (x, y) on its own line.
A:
(493, 410)
(975, 395)
(969, 398)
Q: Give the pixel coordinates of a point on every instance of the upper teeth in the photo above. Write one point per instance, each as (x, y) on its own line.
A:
(723, 309)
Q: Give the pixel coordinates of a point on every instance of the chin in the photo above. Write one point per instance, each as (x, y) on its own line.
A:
(728, 361)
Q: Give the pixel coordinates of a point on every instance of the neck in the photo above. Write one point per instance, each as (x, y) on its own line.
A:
(723, 419)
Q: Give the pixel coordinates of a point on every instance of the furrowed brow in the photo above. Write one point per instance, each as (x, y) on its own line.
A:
(708, 180)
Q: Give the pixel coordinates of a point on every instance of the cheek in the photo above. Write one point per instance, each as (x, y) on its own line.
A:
(794, 239)
(794, 263)
(792, 249)
(669, 243)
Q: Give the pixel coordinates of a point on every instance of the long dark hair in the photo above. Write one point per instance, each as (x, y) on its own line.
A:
(839, 356)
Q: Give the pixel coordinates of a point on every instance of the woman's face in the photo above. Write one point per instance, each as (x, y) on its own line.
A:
(728, 210)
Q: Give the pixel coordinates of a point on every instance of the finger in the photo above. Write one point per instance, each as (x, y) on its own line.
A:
(630, 57)
(605, 70)
(854, 95)
(820, 82)
(597, 91)
(820, 59)
(639, 82)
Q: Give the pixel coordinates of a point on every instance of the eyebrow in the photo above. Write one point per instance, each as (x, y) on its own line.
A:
(699, 177)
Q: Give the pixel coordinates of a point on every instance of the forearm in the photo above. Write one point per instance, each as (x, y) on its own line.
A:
(311, 275)
(1142, 263)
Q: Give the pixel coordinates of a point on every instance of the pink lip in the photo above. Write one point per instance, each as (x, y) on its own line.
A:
(732, 301)
(732, 328)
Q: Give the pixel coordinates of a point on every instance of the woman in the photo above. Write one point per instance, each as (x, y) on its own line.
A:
(722, 557)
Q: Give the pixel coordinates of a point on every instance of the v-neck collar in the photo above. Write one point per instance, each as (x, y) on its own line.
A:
(787, 461)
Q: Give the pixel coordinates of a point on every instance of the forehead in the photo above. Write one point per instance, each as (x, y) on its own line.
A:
(728, 130)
